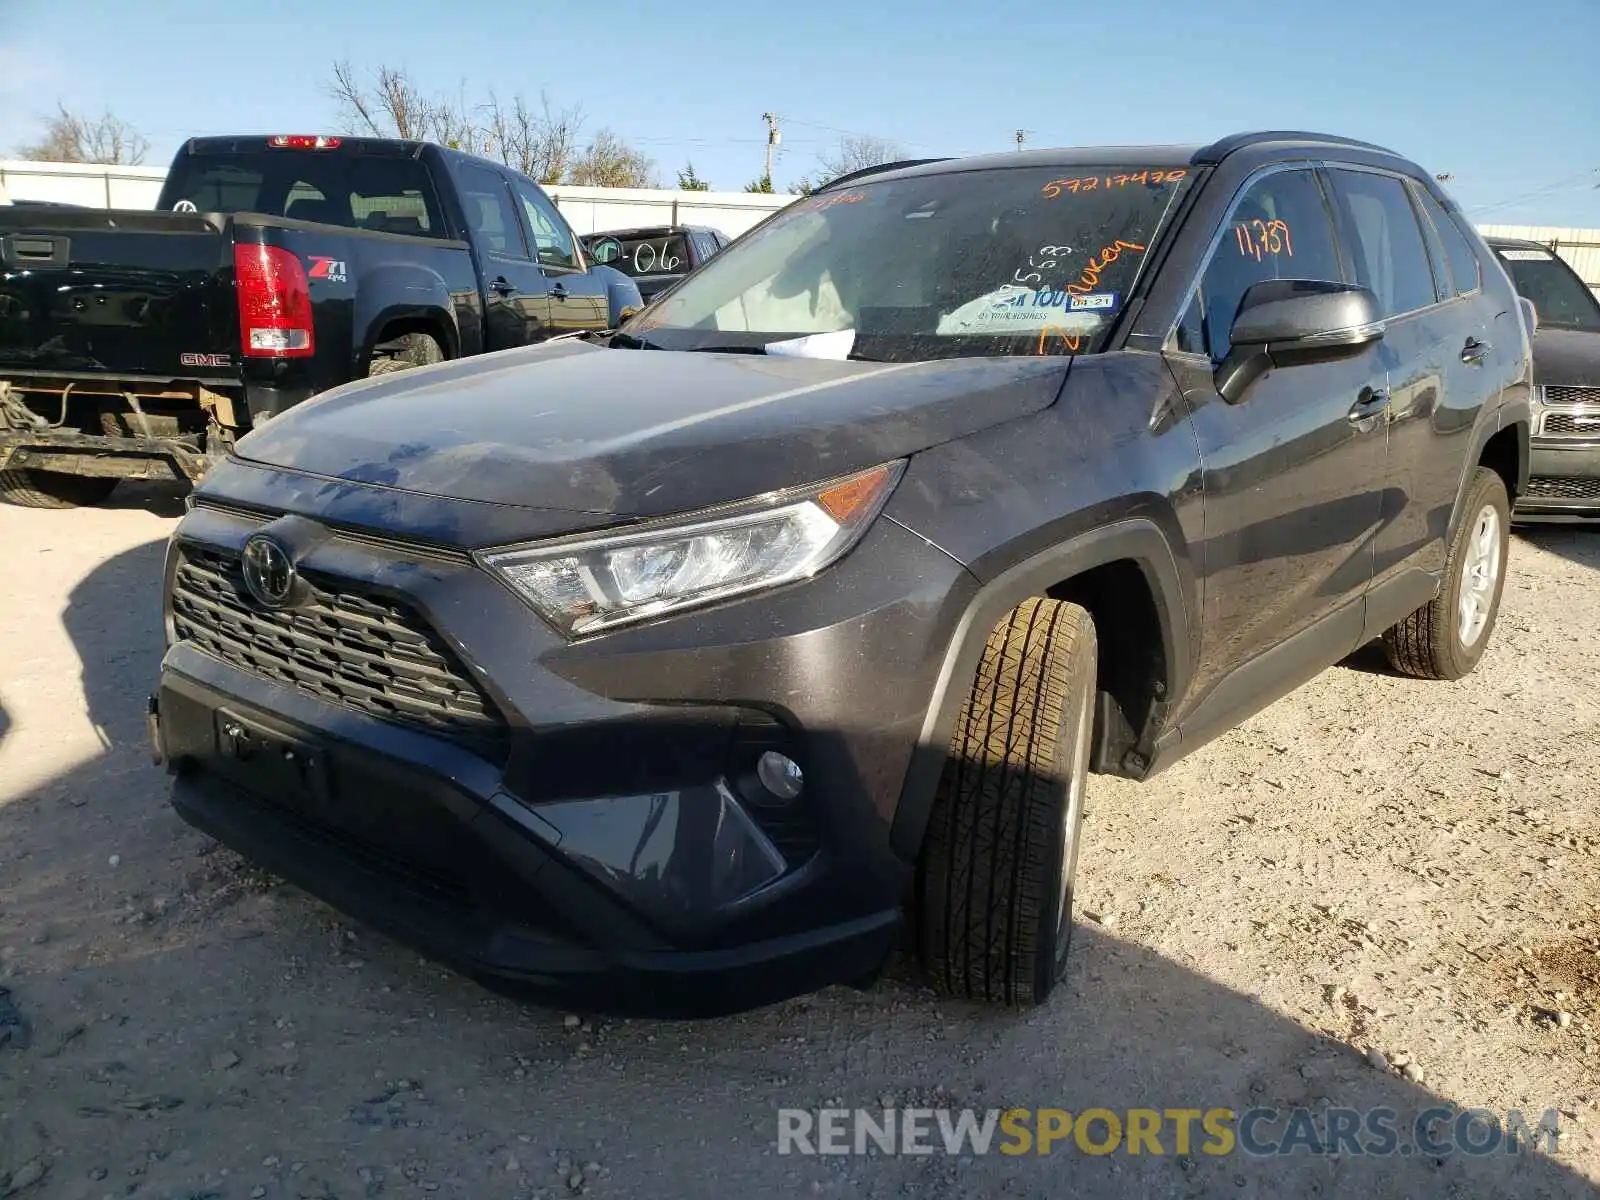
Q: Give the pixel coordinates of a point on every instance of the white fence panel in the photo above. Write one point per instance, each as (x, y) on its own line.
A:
(591, 209)
(79, 183)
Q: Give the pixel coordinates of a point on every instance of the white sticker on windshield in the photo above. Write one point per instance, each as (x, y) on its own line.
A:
(836, 345)
(1014, 309)
(1525, 255)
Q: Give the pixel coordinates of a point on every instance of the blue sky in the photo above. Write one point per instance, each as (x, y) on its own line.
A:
(1503, 96)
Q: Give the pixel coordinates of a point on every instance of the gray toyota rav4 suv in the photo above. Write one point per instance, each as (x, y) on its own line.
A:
(687, 668)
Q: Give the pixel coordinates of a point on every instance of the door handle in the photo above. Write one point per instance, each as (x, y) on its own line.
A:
(502, 285)
(1370, 403)
(1474, 351)
(559, 291)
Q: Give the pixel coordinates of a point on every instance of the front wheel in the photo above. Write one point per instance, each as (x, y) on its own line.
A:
(1445, 638)
(995, 877)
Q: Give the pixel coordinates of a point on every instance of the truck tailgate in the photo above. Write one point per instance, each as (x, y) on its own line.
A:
(130, 294)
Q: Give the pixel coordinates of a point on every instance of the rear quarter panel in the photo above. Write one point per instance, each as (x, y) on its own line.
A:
(364, 281)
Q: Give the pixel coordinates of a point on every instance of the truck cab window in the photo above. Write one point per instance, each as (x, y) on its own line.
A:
(489, 212)
(552, 239)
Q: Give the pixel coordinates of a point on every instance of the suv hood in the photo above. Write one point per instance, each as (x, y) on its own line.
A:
(1566, 358)
(641, 433)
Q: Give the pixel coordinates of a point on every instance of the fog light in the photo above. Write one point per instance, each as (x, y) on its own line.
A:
(780, 775)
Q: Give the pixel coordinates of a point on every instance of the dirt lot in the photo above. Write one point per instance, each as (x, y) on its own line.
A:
(1372, 864)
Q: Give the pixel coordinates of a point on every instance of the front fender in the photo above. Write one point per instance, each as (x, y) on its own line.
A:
(1138, 539)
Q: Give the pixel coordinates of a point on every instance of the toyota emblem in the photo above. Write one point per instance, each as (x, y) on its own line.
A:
(269, 574)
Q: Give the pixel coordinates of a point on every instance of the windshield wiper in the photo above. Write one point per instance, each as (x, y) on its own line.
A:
(632, 341)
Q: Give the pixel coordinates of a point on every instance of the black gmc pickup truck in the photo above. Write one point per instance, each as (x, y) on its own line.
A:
(137, 344)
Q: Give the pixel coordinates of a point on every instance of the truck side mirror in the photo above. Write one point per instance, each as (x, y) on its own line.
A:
(605, 250)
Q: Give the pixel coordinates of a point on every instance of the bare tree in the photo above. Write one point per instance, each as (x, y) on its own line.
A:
(856, 153)
(68, 137)
(608, 161)
(542, 144)
(393, 106)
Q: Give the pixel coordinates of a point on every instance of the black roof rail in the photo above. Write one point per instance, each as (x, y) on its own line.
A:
(878, 170)
(1222, 147)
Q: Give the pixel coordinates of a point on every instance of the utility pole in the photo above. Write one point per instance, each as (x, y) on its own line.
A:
(1022, 136)
(773, 138)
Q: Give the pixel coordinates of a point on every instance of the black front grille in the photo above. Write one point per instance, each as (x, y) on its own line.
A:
(343, 645)
(1572, 395)
(1573, 424)
(1558, 487)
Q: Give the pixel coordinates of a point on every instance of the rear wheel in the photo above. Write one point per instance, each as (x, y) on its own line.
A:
(53, 489)
(995, 878)
(1445, 638)
(412, 350)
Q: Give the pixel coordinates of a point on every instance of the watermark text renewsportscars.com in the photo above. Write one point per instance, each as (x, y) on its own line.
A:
(1258, 1132)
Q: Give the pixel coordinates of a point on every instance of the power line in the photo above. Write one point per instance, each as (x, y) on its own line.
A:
(1571, 182)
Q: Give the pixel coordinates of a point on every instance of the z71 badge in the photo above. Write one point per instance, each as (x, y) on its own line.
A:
(331, 269)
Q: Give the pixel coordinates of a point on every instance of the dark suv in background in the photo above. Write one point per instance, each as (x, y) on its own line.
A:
(1564, 471)
(676, 674)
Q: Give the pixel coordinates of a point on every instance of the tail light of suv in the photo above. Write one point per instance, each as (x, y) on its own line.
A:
(274, 303)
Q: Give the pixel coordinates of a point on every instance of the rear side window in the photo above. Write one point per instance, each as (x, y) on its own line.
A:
(489, 213)
(1385, 242)
(356, 191)
(1279, 229)
(1458, 252)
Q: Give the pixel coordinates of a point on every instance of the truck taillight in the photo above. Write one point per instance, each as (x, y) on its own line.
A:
(274, 303)
(303, 141)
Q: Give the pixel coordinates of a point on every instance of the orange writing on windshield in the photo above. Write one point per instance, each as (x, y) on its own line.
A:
(1071, 341)
(1093, 183)
(1090, 278)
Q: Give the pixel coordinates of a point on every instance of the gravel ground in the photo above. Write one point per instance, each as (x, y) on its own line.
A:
(1377, 893)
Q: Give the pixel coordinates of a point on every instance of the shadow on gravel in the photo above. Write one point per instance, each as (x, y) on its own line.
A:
(189, 1017)
(114, 620)
(161, 499)
(1580, 545)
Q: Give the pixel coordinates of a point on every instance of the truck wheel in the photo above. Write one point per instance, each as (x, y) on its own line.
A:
(1445, 638)
(413, 350)
(53, 489)
(995, 877)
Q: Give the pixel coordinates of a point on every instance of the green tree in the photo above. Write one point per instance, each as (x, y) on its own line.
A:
(762, 186)
(688, 181)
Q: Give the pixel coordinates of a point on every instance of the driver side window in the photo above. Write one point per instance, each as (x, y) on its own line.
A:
(553, 240)
(1279, 229)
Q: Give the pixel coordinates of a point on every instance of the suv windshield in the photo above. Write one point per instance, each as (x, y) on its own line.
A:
(1559, 295)
(1016, 260)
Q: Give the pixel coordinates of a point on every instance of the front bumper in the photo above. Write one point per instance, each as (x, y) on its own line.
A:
(1563, 480)
(613, 857)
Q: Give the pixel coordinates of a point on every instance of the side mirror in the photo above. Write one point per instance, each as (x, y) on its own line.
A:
(605, 250)
(1286, 322)
(1530, 315)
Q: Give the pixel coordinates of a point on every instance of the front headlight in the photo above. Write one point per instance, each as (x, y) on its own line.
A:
(586, 585)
